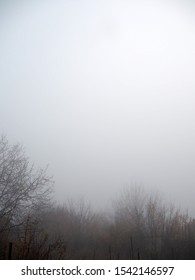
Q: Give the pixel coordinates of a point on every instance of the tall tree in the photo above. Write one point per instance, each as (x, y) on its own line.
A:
(23, 188)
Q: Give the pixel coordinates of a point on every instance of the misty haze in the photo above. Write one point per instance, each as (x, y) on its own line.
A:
(97, 129)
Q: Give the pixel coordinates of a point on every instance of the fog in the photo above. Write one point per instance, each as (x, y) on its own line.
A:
(104, 93)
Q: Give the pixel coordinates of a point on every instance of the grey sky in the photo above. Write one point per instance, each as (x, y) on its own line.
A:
(102, 91)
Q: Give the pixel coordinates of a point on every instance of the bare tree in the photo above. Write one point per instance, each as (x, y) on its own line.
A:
(22, 188)
(130, 220)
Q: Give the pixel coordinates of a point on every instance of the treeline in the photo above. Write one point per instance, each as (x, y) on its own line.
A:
(141, 226)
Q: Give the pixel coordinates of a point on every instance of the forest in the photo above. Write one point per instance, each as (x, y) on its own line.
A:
(34, 226)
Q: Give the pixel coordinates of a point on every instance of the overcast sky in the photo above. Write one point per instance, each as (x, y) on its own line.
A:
(103, 92)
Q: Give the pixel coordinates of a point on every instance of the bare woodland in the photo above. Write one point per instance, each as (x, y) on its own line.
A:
(32, 226)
